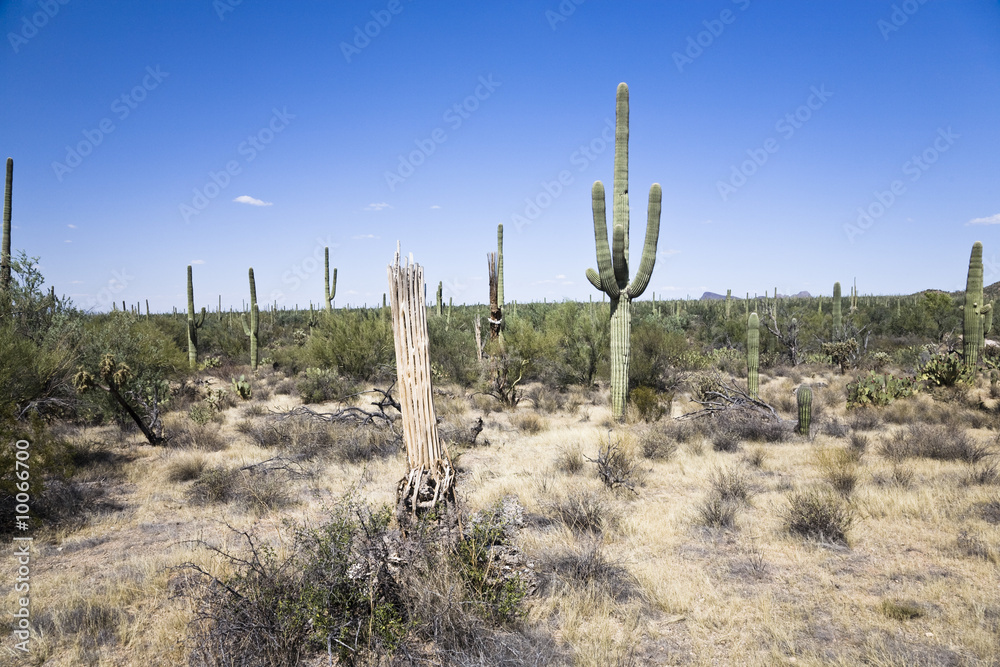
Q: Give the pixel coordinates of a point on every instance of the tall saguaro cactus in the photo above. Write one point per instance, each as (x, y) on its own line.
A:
(977, 316)
(753, 354)
(838, 325)
(193, 323)
(500, 265)
(5, 249)
(329, 289)
(612, 275)
(253, 327)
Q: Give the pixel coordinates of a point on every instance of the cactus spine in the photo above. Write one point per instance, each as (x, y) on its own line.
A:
(5, 249)
(612, 276)
(329, 289)
(253, 327)
(837, 321)
(977, 316)
(753, 354)
(804, 397)
(193, 323)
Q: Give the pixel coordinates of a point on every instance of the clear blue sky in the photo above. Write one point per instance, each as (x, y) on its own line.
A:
(309, 115)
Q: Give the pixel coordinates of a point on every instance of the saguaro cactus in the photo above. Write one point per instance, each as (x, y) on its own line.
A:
(729, 296)
(753, 353)
(612, 276)
(253, 327)
(500, 265)
(978, 317)
(329, 289)
(440, 304)
(838, 325)
(5, 249)
(193, 323)
(804, 396)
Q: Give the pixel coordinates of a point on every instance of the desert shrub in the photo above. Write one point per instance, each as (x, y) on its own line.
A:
(253, 489)
(582, 512)
(933, 442)
(186, 468)
(545, 399)
(839, 466)
(725, 441)
(658, 444)
(647, 403)
(203, 412)
(818, 515)
(357, 343)
(834, 428)
(716, 512)
(977, 545)
(655, 353)
(617, 468)
(207, 438)
(529, 422)
(321, 385)
(587, 567)
(900, 610)
(898, 475)
(864, 419)
(749, 425)
(983, 473)
(757, 457)
(874, 389)
(858, 443)
(570, 460)
(732, 484)
(453, 350)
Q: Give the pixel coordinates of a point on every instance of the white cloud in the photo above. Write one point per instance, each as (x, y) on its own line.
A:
(247, 199)
(67, 241)
(76, 282)
(71, 226)
(197, 261)
(668, 253)
(363, 237)
(990, 220)
(560, 277)
(378, 206)
(435, 206)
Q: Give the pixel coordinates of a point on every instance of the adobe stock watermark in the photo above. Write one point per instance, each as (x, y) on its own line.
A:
(223, 7)
(305, 269)
(248, 149)
(122, 107)
(372, 29)
(107, 294)
(454, 116)
(914, 168)
(786, 126)
(549, 191)
(563, 11)
(704, 39)
(901, 13)
(30, 25)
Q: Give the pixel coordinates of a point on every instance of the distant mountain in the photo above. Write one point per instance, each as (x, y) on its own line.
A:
(712, 296)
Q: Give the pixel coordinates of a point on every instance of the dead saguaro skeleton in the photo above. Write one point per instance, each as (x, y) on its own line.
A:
(430, 483)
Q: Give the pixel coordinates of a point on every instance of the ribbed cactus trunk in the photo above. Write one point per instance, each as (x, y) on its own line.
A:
(804, 397)
(329, 289)
(5, 249)
(500, 266)
(753, 354)
(838, 325)
(430, 481)
(612, 276)
(975, 312)
(253, 327)
(729, 296)
(193, 324)
(440, 301)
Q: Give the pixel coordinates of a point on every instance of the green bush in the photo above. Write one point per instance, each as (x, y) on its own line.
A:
(321, 385)
(648, 403)
(357, 343)
(874, 389)
(944, 370)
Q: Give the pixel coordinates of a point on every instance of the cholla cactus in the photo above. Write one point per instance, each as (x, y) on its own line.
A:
(612, 276)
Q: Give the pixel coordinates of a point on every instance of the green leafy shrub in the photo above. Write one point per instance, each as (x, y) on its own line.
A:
(648, 403)
(242, 388)
(874, 389)
(944, 370)
(819, 515)
(321, 385)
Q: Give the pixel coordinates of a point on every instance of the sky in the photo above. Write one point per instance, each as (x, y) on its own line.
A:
(797, 144)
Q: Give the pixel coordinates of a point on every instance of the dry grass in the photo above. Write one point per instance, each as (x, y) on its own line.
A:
(626, 579)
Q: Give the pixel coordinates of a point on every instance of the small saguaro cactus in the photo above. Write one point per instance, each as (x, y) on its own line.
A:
(440, 292)
(804, 397)
(193, 323)
(729, 296)
(612, 276)
(977, 316)
(329, 289)
(253, 327)
(753, 354)
(838, 325)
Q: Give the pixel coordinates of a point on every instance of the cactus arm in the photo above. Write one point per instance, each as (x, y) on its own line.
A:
(594, 279)
(243, 319)
(619, 260)
(645, 272)
(199, 322)
(604, 267)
